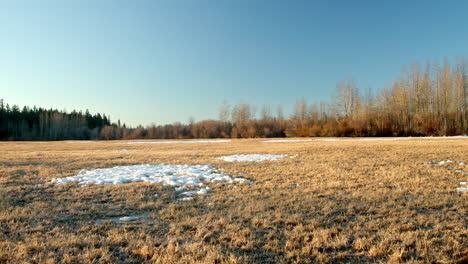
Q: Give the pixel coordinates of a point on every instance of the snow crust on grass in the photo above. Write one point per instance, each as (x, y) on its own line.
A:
(80, 141)
(145, 217)
(332, 139)
(440, 163)
(357, 139)
(463, 188)
(176, 141)
(185, 199)
(287, 140)
(181, 177)
(129, 218)
(444, 137)
(201, 191)
(252, 157)
(444, 163)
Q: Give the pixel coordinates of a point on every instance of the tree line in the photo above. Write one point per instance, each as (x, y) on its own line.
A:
(429, 100)
(48, 124)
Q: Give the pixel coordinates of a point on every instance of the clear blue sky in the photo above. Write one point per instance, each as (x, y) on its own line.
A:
(164, 61)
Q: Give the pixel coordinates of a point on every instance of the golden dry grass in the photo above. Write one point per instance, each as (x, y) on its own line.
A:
(337, 202)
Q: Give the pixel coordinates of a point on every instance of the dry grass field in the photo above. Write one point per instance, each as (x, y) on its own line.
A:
(336, 202)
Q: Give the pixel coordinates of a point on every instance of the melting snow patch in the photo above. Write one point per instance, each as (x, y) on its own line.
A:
(358, 139)
(377, 139)
(444, 162)
(175, 141)
(181, 189)
(332, 139)
(252, 157)
(181, 177)
(80, 141)
(128, 218)
(201, 191)
(444, 137)
(173, 175)
(362, 139)
(185, 199)
(287, 140)
(464, 187)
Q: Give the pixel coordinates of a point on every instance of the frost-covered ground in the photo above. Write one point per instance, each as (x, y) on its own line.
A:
(357, 139)
(175, 141)
(252, 157)
(191, 179)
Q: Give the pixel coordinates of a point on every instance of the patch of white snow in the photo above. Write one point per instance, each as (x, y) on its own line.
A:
(443, 162)
(80, 141)
(128, 218)
(287, 140)
(182, 188)
(185, 199)
(252, 157)
(358, 139)
(181, 177)
(175, 141)
(463, 188)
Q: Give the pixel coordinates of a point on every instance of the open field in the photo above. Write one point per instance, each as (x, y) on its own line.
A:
(327, 201)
